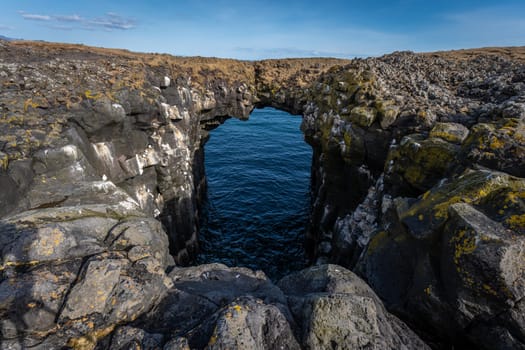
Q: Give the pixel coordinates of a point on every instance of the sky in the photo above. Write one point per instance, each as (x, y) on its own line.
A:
(250, 29)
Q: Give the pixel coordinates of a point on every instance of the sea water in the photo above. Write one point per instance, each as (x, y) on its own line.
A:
(258, 201)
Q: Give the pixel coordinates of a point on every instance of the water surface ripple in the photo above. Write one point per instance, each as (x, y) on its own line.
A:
(258, 194)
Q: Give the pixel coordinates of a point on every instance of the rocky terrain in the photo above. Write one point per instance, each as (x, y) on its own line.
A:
(418, 187)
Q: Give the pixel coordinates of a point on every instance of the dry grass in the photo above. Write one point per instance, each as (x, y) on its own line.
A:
(196, 67)
(516, 53)
(155, 59)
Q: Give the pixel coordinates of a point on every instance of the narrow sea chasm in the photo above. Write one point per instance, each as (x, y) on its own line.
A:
(258, 200)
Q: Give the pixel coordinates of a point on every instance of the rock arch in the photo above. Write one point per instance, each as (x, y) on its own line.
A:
(414, 156)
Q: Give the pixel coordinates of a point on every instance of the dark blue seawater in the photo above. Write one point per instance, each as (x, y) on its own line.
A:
(258, 194)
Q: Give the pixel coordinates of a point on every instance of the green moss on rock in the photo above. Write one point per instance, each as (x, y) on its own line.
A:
(476, 187)
(4, 161)
(451, 132)
(422, 162)
(498, 146)
(363, 116)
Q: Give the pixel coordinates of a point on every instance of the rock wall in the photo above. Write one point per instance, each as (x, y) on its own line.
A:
(417, 186)
(75, 117)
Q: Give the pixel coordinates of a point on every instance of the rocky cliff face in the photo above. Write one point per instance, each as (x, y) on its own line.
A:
(417, 186)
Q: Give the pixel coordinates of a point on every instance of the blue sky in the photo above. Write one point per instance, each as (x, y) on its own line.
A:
(252, 29)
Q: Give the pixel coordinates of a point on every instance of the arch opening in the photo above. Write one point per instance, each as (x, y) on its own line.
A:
(257, 205)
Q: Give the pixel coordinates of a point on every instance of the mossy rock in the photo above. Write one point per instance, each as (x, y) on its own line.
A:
(387, 113)
(422, 162)
(363, 116)
(353, 151)
(476, 187)
(480, 263)
(498, 146)
(4, 161)
(451, 132)
(389, 116)
(507, 207)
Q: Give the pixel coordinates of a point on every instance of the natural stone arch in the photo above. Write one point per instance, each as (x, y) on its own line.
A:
(52, 161)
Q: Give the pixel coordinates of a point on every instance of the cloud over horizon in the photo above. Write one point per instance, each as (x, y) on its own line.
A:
(107, 22)
(282, 52)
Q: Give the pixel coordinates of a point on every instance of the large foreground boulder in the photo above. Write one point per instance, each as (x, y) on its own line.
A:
(70, 275)
(335, 309)
(217, 307)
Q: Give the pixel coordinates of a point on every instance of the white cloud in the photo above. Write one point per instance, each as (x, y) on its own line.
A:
(316, 40)
(71, 18)
(113, 21)
(61, 27)
(34, 17)
(286, 52)
(108, 22)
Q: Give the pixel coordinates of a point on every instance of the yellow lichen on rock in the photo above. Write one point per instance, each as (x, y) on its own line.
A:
(451, 132)
(496, 143)
(420, 161)
(377, 241)
(489, 289)
(428, 290)
(516, 221)
(472, 187)
(213, 338)
(4, 161)
(91, 96)
(89, 341)
(49, 240)
(464, 243)
(30, 103)
(514, 197)
(441, 209)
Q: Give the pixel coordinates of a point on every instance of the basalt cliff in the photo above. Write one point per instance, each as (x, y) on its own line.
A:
(417, 227)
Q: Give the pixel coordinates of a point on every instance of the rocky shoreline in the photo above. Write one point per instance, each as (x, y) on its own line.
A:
(418, 187)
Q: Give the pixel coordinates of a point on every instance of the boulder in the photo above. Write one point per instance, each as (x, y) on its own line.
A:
(418, 163)
(424, 216)
(388, 113)
(69, 277)
(363, 116)
(451, 132)
(202, 290)
(104, 112)
(336, 309)
(498, 145)
(249, 323)
(220, 307)
(450, 260)
(482, 262)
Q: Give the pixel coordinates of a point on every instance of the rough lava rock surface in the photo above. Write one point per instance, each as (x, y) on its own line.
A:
(417, 186)
(338, 310)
